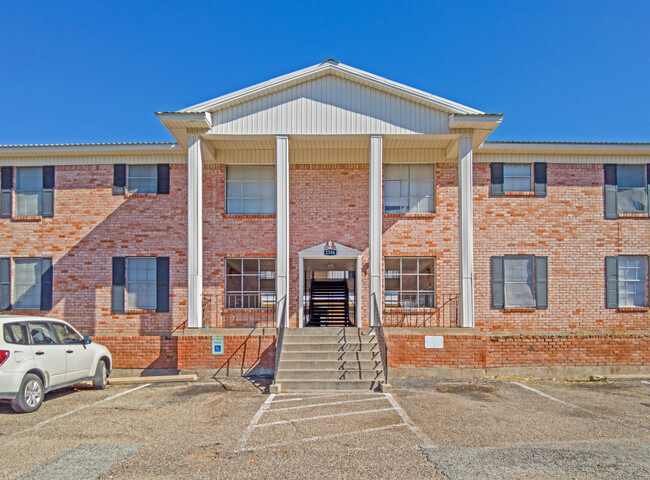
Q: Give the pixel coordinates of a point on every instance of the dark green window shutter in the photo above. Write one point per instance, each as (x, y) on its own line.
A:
(119, 179)
(497, 283)
(496, 175)
(611, 210)
(7, 184)
(48, 191)
(611, 277)
(541, 282)
(5, 283)
(162, 284)
(163, 178)
(46, 284)
(540, 179)
(119, 280)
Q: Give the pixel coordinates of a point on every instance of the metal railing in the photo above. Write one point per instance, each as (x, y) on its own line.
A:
(238, 310)
(282, 307)
(444, 315)
(381, 339)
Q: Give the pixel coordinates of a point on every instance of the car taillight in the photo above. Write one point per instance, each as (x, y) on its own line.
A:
(4, 355)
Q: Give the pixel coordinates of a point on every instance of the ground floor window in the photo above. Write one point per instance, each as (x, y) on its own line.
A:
(627, 281)
(409, 282)
(25, 283)
(141, 283)
(519, 281)
(250, 283)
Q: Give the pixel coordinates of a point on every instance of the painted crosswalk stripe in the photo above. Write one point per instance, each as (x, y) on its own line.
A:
(320, 417)
(326, 404)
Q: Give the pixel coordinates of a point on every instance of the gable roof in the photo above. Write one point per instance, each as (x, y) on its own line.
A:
(330, 67)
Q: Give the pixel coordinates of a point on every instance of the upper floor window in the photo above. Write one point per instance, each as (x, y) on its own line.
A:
(632, 195)
(519, 281)
(517, 177)
(250, 283)
(627, 281)
(142, 179)
(29, 191)
(409, 282)
(409, 188)
(250, 189)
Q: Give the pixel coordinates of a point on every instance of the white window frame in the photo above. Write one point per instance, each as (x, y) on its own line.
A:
(18, 193)
(644, 188)
(530, 176)
(16, 302)
(643, 281)
(128, 283)
(242, 197)
(532, 284)
(242, 299)
(393, 302)
(130, 178)
(408, 208)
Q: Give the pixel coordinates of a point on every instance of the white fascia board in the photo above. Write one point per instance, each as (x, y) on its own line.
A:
(566, 148)
(335, 68)
(482, 121)
(194, 120)
(90, 149)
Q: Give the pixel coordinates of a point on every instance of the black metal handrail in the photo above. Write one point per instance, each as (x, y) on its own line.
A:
(444, 315)
(280, 336)
(381, 339)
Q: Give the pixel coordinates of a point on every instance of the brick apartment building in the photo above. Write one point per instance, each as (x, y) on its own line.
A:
(495, 257)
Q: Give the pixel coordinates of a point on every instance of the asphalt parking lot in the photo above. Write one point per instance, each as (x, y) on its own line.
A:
(424, 429)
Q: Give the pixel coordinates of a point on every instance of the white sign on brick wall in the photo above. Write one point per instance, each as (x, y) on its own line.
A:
(434, 341)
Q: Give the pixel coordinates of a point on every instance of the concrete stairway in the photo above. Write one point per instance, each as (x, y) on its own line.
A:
(329, 358)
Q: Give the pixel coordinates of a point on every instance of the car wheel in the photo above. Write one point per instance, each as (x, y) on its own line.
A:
(30, 395)
(99, 380)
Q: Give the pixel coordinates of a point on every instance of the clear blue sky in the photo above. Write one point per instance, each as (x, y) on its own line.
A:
(90, 71)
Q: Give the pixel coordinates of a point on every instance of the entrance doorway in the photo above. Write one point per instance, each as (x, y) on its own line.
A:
(329, 288)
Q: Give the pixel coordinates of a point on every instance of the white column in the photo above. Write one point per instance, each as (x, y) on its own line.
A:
(466, 231)
(282, 225)
(194, 232)
(374, 243)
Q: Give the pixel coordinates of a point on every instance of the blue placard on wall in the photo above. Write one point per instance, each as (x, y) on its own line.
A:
(217, 346)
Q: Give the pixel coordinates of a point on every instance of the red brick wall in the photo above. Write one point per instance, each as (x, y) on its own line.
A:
(569, 227)
(141, 351)
(241, 353)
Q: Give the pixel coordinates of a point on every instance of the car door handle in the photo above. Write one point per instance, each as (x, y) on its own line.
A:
(40, 353)
(69, 351)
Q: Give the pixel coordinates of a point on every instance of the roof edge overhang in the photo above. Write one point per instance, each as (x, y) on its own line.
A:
(85, 149)
(325, 68)
(566, 148)
(180, 123)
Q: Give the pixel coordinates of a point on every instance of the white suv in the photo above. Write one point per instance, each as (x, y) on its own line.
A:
(40, 354)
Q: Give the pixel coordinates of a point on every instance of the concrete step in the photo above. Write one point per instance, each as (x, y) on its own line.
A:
(288, 386)
(308, 375)
(309, 364)
(329, 356)
(329, 347)
(338, 339)
(309, 331)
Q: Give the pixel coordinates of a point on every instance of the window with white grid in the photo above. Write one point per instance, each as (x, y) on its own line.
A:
(409, 188)
(141, 283)
(250, 189)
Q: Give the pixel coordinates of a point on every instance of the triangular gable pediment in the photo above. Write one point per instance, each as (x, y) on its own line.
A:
(330, 98)
(341, 251)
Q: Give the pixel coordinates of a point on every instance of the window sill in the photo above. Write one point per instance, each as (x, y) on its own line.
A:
(248, 215)
(409, 215)
(234, 311)
(519, 310)
(519, 194)
(632, 309)
(140, 195)
(409, 310)
(34, 218)
(135, 311)
(633, 215)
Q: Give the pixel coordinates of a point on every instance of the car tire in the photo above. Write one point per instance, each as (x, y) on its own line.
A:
(99, 380)
(30, 396)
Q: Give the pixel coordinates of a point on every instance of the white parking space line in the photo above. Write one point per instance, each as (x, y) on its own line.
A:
(547, 396)
(251, 426)
(320, 417)
(326, 404)
(288, 400)
(323, 437)
(78, 409)
(312, 396)
(645, 381)
(407, 420)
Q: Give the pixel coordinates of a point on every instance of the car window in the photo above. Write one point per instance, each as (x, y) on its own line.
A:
(42, 334)
(15, 333)
(66, 334)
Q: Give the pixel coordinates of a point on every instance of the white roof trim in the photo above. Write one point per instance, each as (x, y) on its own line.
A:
(336, 68)
(92, 149)
(565, 148)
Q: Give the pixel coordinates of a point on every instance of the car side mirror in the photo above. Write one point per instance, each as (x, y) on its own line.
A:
(87, 340)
